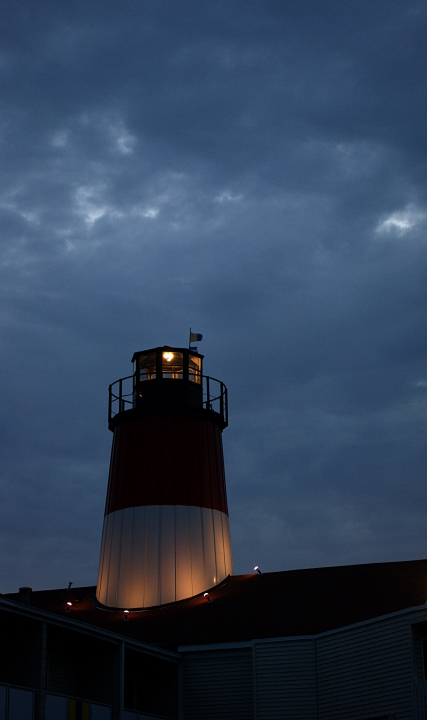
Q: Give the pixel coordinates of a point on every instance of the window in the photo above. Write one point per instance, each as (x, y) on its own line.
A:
(147, 367)
(172, 365)
(195, 369)
(20, 704)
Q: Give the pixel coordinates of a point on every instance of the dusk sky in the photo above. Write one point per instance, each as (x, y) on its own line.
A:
(257, 170)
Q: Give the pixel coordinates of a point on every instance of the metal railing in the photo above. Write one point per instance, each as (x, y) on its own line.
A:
(122, 395)
(215, 397)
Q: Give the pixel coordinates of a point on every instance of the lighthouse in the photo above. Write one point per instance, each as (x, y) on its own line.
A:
(166, 532)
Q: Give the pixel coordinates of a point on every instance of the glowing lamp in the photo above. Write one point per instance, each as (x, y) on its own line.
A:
(168, 356)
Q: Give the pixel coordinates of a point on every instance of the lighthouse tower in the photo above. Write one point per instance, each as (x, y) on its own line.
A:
(166, 533)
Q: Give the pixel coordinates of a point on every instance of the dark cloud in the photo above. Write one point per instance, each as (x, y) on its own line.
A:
(257, 171)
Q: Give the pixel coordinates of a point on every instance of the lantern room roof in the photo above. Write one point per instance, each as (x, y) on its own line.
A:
(163, 348)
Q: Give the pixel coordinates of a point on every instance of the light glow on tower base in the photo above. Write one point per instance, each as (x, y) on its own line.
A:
(159, 554)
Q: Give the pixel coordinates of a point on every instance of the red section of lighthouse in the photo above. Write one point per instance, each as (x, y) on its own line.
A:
(166, 532)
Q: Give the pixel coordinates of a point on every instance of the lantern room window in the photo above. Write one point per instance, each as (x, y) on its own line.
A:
(172, 365)
(147, 367)
(195, 369)
(167, 363)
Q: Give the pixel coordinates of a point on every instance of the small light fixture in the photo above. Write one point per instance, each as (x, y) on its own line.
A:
(206, 595)
(69, 606)
(168, 356)
(257, 570)
(69, 585)
(126, 612)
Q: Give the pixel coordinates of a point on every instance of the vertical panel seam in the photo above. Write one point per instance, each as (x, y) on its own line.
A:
(101, 557)
(145, 557)
(131, 556)
(212, 512)
(188, 500)
(109, 558)
(120, 558)
(223, 547)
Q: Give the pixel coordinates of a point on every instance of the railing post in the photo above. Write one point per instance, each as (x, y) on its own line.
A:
(226, 406)
(109, 403)
(120, 395)
(221, 402)
(208, 395)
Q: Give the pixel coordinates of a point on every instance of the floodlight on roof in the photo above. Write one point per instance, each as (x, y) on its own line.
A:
(126, 612)
(257, 570)
(206, 595)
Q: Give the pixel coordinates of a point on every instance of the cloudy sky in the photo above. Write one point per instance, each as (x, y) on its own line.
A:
(256, 170)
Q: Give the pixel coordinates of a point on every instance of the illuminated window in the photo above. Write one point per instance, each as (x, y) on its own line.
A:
(195, 369)
(172, 365)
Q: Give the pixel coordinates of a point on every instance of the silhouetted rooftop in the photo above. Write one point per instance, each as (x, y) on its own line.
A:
(247, 607)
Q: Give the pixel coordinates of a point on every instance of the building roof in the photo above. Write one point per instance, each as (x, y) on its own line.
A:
(249, 607)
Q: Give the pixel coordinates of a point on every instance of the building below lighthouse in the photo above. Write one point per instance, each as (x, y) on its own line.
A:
(168, 632)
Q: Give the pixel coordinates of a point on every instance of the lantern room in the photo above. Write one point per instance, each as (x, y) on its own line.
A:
(168, 379)
(166, 363)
